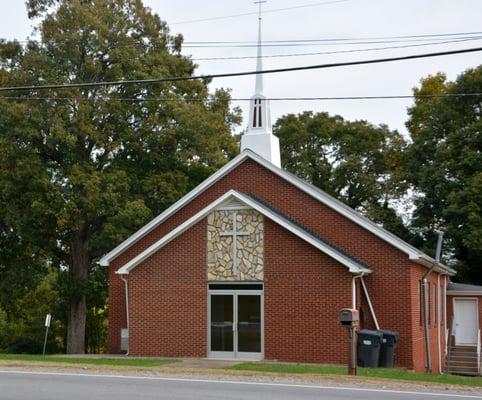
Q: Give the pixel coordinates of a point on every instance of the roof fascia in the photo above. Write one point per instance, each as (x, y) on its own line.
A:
(427, 261)
(463, 293)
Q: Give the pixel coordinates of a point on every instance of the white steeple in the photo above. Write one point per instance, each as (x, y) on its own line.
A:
(259, 137)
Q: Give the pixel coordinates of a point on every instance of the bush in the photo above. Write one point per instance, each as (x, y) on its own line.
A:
(24, 345)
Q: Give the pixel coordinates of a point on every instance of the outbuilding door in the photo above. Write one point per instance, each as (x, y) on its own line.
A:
(466, 321)
(235, 323)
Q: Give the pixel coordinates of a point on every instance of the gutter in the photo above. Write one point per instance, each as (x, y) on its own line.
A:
(426, 307)
(463, 293)
(427, 261)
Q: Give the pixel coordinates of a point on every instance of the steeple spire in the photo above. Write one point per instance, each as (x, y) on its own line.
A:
(259, 137)
(259, 60)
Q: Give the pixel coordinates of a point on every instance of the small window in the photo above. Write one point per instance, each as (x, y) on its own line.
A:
(257, 114)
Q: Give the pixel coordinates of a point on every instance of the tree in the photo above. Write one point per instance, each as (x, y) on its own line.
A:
(80, 169)
(444, 165)
(356, 162)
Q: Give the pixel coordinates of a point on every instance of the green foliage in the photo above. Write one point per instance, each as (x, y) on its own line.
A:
(81, 169)
(3, 330)
(358, 163)
(378, 373)
(23, 326)
(444, 165)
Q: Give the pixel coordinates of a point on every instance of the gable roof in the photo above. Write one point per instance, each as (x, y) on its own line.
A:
(413, 253)
(463, 289)
(304, 228)
(354, 265)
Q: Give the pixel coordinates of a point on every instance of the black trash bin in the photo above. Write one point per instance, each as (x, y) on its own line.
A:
(388, 349)
(369, 344)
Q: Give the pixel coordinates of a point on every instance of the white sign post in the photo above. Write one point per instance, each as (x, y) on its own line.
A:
(48, 319)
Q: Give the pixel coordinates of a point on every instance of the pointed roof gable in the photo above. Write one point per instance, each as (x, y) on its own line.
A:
(354, 266)
(413, 253)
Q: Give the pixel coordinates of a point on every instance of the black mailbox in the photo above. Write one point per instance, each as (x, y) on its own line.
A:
(349, 317)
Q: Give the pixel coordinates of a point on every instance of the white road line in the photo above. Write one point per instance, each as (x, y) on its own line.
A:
(293, 385)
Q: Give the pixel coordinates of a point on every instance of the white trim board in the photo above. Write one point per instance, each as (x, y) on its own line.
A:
(462, 293)
(351, 264)
(413, 253)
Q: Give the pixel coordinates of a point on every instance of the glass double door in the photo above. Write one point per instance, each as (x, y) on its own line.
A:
(236, 325)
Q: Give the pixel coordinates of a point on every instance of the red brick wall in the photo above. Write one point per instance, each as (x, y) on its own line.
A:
(168, 299)
(303, 292)
(436, 322)
(391, 286)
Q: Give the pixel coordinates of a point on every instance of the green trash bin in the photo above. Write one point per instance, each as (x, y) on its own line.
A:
(369, 344)
(388, 349)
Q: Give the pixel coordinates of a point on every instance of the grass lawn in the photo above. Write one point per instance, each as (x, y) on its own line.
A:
(131, 362)
(384, 373)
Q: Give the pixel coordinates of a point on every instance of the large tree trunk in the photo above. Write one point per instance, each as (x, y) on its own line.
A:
(79, 269)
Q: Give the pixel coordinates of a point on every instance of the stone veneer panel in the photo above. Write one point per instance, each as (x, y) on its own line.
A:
(250, 248)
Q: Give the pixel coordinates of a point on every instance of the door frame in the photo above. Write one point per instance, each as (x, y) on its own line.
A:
(476, 301)
(235, 354)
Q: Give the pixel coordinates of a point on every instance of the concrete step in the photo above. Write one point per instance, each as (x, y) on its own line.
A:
(463, 365)
(463, 371)
(462, 360)
(464, 348)
(463, 357)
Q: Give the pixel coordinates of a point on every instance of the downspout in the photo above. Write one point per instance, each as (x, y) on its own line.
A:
(353, 290)
(445, 314)
(425, 283)
(439, 317)
(127, 311)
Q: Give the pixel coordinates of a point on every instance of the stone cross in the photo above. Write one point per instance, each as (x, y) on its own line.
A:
(234, 234)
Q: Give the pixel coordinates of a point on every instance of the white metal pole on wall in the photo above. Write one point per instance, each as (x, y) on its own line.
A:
(445, 313)
(370, 305)
(353, 292)
(439, 317)
(126, 287)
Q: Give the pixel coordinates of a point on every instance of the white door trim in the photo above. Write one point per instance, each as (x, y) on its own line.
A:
(476, 301)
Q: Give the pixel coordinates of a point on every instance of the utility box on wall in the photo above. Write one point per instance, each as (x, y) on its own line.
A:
(124, 340)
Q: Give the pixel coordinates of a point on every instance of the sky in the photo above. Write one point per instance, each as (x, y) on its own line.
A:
(343, 19)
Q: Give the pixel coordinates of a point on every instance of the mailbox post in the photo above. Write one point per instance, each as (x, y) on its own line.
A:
(350, 319)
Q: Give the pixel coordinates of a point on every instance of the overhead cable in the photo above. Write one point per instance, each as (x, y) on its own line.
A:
(273, 10)
(187, 100)
(235, 74)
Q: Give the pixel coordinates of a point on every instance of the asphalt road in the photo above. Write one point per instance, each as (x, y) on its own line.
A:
(16, 385)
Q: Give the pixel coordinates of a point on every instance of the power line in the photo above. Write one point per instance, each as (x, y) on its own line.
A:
(171, 99)
(332, 52)
(264, 45)
(428, 36)
(273, 10)
(233, 74)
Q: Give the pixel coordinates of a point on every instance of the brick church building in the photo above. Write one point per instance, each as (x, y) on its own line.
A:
(255, 263)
